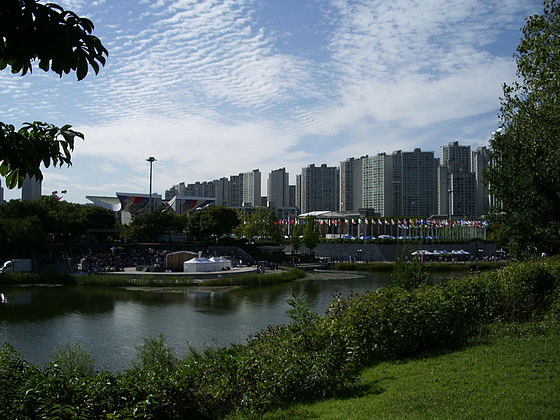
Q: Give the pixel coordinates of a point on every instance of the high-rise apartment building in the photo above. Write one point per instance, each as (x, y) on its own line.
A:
(200, 189)
(456, 157)
(319, 188)
(292, 196)
(377, 184)
(221, 191)
(235, 191)
(251, 188)
(278, 189)
(31, 189)
(480, 161)
(443, 190)
(418, 183)
(350, 189)
(298, 192)
(461, 181)
(400, 184)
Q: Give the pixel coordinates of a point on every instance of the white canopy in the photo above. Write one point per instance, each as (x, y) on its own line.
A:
(199, 264)
(221, 263)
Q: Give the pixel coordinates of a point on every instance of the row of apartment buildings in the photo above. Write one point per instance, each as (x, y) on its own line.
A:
(407, 184)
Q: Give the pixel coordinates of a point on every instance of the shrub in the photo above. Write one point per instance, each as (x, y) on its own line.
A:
(409, 272)
(73, 360)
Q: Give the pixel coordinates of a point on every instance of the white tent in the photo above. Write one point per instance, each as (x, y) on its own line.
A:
(221, 263)
(422, 252)
(199, 264)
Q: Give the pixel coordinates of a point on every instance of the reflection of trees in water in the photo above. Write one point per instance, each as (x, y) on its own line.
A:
(38, 303)
(319, 289)
(25, 304)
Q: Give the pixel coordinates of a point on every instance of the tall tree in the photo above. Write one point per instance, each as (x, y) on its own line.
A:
(311, 234)
(60, 41)
(148, 227)
(295, 240)
(213, 221)
(263, 223)
(525, 175)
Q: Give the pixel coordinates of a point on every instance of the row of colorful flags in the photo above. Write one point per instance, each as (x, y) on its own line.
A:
(400, 223)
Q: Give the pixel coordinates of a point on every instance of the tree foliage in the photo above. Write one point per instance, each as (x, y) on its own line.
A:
(26, 226)
(311, 234)
(148, 227)
(213, 221)
(295, 240)
(525, 176)
(22, 151)
(263, 224)
(60, 41)
(409, 272)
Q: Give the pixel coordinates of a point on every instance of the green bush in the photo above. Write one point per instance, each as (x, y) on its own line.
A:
(73, 360)
(396, 322)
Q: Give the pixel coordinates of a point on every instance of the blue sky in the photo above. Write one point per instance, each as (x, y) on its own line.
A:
(213, 88)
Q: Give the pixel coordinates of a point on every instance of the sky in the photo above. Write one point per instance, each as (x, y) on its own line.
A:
(213, 88)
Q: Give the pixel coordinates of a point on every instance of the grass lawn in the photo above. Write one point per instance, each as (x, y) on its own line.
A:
(513, 374)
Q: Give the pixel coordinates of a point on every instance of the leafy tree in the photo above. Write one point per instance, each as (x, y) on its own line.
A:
(263, 223)
(311, 234)
(60, 41)
(525, 176)
(21, 237)
(26, 226)
(213, 221)
(148, 227)
(295, 240)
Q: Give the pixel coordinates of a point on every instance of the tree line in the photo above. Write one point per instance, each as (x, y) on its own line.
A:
(27, 227)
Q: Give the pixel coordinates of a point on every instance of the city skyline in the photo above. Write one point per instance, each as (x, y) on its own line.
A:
(216, 87)
(410, 183)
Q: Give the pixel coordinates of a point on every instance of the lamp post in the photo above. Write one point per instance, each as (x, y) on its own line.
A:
(151, 159)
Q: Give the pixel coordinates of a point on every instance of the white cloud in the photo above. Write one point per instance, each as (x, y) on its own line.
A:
(206, 87)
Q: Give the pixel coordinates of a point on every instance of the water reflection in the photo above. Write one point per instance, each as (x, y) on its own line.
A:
(111, 322)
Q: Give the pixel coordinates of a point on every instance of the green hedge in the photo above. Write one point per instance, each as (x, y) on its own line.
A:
(395, 322)
(313, 357)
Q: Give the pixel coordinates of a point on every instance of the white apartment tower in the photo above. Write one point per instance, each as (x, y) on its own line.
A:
(377, 184)
(251, 188)
(31, 189)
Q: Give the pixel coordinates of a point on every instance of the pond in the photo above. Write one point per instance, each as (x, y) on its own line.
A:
(110, 323)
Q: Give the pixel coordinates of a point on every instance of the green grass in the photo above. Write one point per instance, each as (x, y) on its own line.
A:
(512, 374)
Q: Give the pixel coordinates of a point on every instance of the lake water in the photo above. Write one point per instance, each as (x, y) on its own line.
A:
(110, 323)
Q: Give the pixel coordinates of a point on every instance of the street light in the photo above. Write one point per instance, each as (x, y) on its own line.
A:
(151, 159)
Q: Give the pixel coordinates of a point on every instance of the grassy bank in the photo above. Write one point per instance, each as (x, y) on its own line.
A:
(432, 267)
(511, 373)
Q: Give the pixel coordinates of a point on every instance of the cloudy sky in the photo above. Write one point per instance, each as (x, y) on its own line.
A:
(212, 88)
